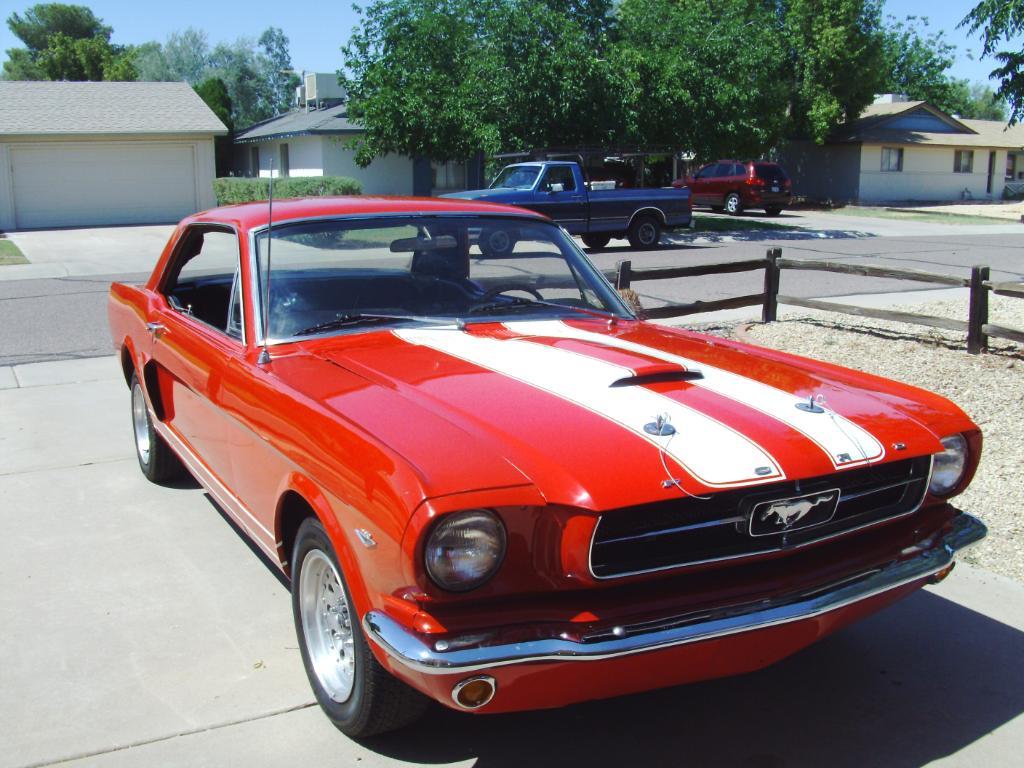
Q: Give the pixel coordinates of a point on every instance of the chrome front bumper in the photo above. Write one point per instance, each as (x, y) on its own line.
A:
(480, 651)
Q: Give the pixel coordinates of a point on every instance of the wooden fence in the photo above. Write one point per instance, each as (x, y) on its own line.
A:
(977, 326)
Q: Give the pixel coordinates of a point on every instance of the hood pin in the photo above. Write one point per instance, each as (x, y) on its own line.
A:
(811, 406)
(660, 427)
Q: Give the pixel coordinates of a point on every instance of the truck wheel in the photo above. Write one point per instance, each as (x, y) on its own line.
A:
(356, 693)
(644, 232)
(156, 459)
(496, 241)
(733, 204)
(596, 242)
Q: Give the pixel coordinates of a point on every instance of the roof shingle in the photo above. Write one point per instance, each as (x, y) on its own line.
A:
(332, 120)
(29, 108)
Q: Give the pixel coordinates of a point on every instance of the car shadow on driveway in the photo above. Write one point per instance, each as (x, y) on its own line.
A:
(917, 682)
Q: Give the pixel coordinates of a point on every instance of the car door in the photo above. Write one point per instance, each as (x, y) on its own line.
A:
(198, 340)
(700, 187)
(558, 197)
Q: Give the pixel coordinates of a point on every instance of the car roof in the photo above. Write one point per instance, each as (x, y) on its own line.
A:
(253, 215)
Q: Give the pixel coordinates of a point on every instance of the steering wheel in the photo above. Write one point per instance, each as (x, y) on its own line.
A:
(495, 292)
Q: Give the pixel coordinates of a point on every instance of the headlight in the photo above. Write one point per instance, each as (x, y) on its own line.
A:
(465, 549)
(948, 466)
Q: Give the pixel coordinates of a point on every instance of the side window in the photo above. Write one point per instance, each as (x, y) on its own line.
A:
(559, 175)
(739, 170)
(203, 279)
(722, 170)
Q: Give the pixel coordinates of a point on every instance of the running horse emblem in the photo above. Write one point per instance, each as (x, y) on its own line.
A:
(788, 513)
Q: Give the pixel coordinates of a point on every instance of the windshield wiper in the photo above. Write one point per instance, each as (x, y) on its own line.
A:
(518, 302)
(365, 318)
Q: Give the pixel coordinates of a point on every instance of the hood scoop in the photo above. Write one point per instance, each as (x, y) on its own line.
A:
(658, 373)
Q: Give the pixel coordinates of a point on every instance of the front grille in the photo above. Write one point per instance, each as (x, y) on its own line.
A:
(688, 531)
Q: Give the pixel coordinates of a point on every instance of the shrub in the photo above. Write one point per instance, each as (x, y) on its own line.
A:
(235, 189)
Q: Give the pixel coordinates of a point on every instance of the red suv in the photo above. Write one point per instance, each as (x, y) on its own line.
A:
(732, 186)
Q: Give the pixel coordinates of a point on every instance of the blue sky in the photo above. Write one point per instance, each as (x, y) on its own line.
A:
(317, 30)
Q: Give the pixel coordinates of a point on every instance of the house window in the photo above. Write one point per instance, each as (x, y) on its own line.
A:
(448, 175)
(963, 161)
(284, 170)
(1011, 166)
(892, 158)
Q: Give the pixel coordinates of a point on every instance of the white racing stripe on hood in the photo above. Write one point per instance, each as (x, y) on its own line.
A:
(713, 453)
(835, 435)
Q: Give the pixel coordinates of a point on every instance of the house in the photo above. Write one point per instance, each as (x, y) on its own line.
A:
(314, 139)
(899, 150)
(89, 154)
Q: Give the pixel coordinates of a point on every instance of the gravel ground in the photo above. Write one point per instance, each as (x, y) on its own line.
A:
(989, 387)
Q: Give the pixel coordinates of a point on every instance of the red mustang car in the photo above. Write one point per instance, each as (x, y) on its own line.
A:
(493, 486)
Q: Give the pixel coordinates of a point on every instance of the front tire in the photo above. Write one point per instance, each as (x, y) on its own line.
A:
(356, 693)
(156, 459)
(644, 232)
(733, 204)
(596, 242)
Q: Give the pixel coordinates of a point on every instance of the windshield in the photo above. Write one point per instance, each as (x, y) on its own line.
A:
(334, 275)
(516, 177)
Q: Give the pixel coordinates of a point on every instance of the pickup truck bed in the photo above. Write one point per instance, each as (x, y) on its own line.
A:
(559, 191)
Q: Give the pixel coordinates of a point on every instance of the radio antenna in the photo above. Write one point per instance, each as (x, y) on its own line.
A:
(264, 357)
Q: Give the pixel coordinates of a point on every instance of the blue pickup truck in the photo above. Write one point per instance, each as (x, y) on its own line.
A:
(559, 191)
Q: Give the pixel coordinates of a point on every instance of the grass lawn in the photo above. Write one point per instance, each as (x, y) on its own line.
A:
(9, 253)
(713, 223)
(923, 216)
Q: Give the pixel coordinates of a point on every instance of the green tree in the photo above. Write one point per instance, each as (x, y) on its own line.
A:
(836, 60)
(449, 78)
(708, 77)
(977, 101)
(411, 79)
(65, 42)
(1001, 23)
(281, 80)
(916, 62)
(256, 75)
(215, 93)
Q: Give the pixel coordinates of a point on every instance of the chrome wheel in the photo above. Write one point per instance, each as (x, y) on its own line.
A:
(732, 204)
(140, 420)
(647, 233)
(327, 625)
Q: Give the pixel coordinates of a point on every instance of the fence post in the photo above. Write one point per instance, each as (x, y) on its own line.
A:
(622, 270)
(771, 286)
(977, 317)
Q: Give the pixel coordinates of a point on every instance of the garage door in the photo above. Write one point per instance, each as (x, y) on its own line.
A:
(67, 185)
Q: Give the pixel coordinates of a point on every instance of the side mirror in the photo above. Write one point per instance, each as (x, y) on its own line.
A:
(556, 188)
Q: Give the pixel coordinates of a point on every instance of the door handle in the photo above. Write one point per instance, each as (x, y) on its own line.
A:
(156, 329)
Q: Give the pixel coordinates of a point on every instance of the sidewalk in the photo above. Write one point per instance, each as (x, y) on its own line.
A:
(141, 630)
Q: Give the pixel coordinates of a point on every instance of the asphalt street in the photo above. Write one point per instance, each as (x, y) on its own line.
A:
(55, 307)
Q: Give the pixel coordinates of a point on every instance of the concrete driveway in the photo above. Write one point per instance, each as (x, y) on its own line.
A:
(140, 629)
(90, 251)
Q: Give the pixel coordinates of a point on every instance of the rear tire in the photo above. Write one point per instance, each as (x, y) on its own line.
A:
(356, 693)
(496, 242)
(644, 232)
(733, 204)
(773, 210)
(596, 242)
(156, 459)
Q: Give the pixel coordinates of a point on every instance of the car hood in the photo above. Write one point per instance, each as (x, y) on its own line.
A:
(601, 415)
(494, 195)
